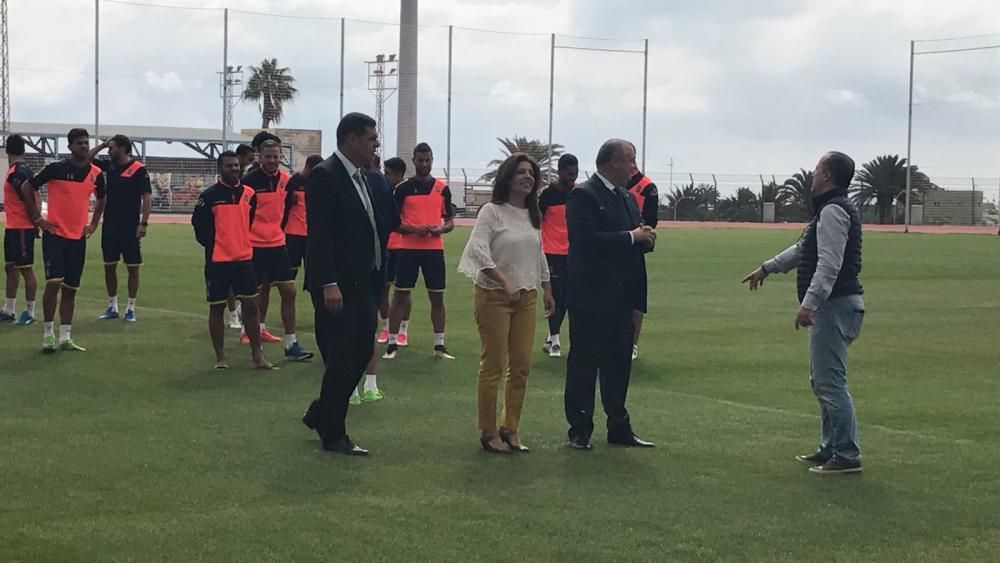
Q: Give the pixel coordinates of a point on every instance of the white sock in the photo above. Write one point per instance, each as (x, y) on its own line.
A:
(355, 393)
(393, 338)
(370, 382)
(403, 325)
(262, 327)
(30, 308)
(554, 339)
(131, 304)
(64, 333)
(48, 329)
(10, 305)
(385, 324)
(113, 302)
(439, 339)
(290, 340)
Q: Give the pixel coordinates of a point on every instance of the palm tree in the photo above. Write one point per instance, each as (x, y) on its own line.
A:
(771, 192)
(531, 147)
(883, 181)
(742, 206)
(270, 86)
(702, 200)
(797, 191)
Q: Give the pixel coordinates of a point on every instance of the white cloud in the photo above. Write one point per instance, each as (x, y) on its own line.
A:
(169, 81)
(508, 93)
(846, 97)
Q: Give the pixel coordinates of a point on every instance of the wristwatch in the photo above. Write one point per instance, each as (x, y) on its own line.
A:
(144, 223)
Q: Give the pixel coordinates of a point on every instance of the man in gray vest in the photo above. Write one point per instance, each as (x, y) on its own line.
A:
(828, 259)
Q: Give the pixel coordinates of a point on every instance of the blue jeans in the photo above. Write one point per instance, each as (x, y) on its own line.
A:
(836, 324)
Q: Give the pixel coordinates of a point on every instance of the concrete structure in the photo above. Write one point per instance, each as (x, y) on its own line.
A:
(952, 207)
(406, 126)
(300, 143)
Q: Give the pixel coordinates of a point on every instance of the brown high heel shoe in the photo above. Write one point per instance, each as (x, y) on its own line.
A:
(513, 441)
(485, 441)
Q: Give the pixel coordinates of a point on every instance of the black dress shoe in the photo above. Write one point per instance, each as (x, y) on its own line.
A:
(630, 441)
(311, 417)
(344, 446)
(580, 443)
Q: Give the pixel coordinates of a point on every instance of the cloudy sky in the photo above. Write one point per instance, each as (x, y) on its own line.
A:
(736, 87)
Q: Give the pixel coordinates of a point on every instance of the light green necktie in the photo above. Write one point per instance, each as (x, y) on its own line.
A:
(364, 193)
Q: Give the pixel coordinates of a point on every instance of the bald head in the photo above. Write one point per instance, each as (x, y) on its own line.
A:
(615, 161)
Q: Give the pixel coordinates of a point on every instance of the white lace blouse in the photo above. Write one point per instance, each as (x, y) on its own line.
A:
(503, 238)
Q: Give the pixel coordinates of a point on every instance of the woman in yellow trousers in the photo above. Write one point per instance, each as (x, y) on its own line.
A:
(504, 257)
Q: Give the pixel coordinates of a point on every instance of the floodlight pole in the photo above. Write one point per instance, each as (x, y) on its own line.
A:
(645, 98)
(447, 170)
(552, 91)
(343, 27)
(909, 142)
(97, 71)
(225, 79)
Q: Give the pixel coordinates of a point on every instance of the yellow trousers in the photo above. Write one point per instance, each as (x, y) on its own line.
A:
(507, 333)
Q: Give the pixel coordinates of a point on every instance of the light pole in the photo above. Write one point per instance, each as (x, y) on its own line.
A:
(380, 70)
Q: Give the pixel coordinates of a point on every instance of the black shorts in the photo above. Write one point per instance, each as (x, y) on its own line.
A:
(390, 266)
(19, 247)
(64, 259)
(641, 294)
(120, 243)
(271, 265)
(430, 262)
(223, 277)
(295, 245)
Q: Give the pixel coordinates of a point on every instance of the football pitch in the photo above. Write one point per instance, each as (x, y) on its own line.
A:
(136, 450)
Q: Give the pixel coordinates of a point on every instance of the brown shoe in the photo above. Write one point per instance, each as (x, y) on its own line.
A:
(490, 446)
(513, 441)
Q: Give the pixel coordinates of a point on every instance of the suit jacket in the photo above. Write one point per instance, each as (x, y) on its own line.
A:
(387, 214)
(605, 270)
(340, 235)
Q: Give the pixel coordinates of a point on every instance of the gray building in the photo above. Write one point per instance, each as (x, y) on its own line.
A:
(952, 207)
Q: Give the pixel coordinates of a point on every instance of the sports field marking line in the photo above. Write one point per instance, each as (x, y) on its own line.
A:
(773, 410)
(744, 406)
(172, 312)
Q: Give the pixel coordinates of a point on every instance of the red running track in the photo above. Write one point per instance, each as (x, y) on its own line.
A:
(179, 219)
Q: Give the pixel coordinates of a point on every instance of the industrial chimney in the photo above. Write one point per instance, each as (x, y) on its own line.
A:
(406, 116)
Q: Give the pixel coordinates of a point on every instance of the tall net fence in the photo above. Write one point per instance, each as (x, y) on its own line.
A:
(955, 131)
(190, 81)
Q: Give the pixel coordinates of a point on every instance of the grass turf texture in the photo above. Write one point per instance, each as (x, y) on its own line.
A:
(138, 451)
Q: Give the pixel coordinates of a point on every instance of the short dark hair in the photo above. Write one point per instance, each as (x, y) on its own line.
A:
(123, 142)
(841, 168)
(609, 150)
(75, 133)
(15, 145)
(566, 161)
(422, 147)
(313, 160)
(244, 149)
(270, 144)
(354, 123)
(395, 164)
(224, 156)
(261, 137)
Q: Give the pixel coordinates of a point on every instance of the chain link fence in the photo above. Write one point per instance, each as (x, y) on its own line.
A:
(201, 79)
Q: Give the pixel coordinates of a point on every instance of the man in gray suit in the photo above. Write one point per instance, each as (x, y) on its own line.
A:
(828, 260)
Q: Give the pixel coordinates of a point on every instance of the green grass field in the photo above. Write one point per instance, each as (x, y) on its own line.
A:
(137, 451)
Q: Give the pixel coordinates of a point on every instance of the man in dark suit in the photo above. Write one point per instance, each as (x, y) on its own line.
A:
(607, 241)
(344, 258)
